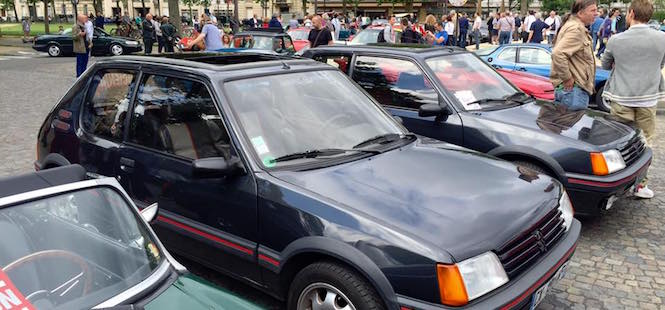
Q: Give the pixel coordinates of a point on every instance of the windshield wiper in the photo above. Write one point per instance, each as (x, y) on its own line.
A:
(485, 100)
(518, 97)
(383, 139)
(319, 153)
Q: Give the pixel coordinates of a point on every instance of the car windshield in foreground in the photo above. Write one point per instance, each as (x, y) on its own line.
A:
(471, 81)
(299, 34)
(306, 116)
(367, 36)
(74, 250)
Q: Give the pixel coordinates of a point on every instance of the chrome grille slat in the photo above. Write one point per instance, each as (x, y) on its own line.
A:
(632, 150)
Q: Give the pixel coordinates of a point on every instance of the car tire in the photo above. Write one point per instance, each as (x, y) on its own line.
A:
(601, 103)
(116, 50)
(54, 50)
(332, 284)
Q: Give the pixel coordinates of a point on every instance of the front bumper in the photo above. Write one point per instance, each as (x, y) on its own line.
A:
(590, 194)
(40, 47)
(517, 293)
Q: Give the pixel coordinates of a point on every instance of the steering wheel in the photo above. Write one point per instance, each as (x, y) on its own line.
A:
(65, 286)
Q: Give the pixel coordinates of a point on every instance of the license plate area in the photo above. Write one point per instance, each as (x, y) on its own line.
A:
(541, 292)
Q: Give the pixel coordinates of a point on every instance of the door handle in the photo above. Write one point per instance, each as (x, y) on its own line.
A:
(126, 164)
(521, 69)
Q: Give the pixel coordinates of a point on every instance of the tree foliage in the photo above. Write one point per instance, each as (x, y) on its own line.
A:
(560, 6)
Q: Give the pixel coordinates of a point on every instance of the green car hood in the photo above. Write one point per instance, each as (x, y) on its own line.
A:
(193, 293)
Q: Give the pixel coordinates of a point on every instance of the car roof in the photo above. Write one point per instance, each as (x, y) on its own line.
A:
(231, 63)
(41, 179)
(394, 49)
(264, 33)
(541, 45)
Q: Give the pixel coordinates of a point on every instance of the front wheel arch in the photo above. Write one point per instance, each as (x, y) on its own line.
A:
(53, 160)
(536, 157)
(309, 250)
(600, 102)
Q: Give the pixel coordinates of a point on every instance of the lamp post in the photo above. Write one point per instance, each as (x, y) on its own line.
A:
(74, 4)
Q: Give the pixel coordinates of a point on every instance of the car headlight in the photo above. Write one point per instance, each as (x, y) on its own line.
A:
(131, 43)
(470, 279)
(607, 162)
(566, 208)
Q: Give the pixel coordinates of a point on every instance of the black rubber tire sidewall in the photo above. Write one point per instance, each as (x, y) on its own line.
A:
(361, 294)
(599, 100)
(532, 166)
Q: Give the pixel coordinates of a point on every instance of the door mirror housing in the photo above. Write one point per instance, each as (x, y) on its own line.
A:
(430, 109)
(149, 214)
(216, 167)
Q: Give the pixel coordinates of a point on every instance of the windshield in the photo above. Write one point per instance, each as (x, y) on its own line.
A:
(469, 79)
(74, 250)
(299, 34)
(367, 36)
(299, 112)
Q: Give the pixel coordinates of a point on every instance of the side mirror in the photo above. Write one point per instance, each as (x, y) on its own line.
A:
(216, 167)
(430, 109)
(149, 214)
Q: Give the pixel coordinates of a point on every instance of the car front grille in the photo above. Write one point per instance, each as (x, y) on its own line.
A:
(632, 150)
(522, 251)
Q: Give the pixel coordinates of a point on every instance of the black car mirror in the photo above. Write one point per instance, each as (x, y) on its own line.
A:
(430, 109)
(216, 167)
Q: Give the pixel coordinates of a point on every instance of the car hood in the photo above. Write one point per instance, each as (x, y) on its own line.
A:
(460, 201)
(586, 126)
(193, 293)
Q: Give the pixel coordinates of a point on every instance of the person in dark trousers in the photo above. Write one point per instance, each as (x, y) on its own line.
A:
(518, 27)
(595, 29)
(99, 21)
(148, 33)
(463, 30)
(604, 34)
(408, 34)
(319, 35)
(80, 43)
(168, 33)
(621, 22)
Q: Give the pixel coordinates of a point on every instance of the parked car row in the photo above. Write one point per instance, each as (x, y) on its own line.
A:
(366, 177)
(102, 44)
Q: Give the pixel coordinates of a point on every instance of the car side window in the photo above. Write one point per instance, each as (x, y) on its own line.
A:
(107, 102)
(178, 116)
(534, 56)
(394, 82)
(340, 62)
(508, 54)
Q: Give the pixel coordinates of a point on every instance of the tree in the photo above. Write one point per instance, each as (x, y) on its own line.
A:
(9, 5)
(557, 5)
(174, 12)
(46, 22)
(204, 3)
(304, 7)
(189, 4)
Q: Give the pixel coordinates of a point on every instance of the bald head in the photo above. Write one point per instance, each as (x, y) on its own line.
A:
(148, 17)
(82, 18)
(316, 21)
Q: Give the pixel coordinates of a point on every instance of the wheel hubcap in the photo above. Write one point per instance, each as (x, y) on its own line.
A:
(116, 50)
(54, 50)
(323, 296)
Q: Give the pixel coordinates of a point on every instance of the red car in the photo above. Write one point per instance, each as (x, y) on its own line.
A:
(534, 85)
(299, 37)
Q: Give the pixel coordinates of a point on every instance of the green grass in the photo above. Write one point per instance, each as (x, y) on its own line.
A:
(13, 29)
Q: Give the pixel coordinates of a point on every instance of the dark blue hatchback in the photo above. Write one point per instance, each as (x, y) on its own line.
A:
(286, 175)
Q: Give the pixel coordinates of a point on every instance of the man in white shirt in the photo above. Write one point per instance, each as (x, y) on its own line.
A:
(337, 25)
(89, 30)
(476, 30)
(527, 25)
(388, 32)
(554, 22)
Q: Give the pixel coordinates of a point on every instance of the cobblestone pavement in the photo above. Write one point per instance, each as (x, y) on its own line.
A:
(619, 262)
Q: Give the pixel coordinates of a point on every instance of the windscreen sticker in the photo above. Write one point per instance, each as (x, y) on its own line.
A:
(260, 146)
(466, 97)
(269, 161)
(10, 296)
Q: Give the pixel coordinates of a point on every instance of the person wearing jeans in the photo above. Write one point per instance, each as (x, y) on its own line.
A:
(636, 84)
(573, 65)
(476, 30)
(80, 44)
(506, 26)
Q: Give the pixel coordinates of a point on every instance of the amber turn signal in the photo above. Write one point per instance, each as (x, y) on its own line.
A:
(451, 285)
(598, 164)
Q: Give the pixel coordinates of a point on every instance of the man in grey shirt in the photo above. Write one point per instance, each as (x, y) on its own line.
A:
(506, 26)
(636, 58)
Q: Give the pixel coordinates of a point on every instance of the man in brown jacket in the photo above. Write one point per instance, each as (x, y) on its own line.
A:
(79, 37)
(573, 64)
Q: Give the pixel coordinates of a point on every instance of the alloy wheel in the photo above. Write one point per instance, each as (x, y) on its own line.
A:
(323, 296)
(116, 50)
(53, 50)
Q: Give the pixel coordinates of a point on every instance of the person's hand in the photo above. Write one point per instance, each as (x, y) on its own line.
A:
(568, 85)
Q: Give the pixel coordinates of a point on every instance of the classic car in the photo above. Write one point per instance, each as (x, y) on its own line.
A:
(449, 94)
(537, 59)
(102, 44)
(69, 242)
(531, 84)
(265, 39)
(299, 37)
(284, 174)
